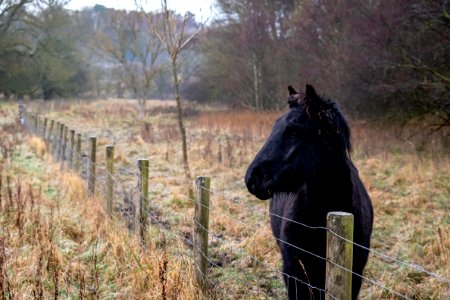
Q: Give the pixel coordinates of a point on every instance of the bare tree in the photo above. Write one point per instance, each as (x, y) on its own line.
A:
(9, 13)
(130, 43)
(174, 37)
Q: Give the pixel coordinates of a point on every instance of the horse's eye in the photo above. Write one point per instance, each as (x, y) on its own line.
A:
(292, 133)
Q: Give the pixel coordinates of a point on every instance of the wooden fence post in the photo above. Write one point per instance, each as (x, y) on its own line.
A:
(30, 124)
(63, 148)
(50, 133)
(39, 125)
(60, 141)
(109, 179)
(143, 165)
(22, 113)
(339, 253)
(72, 147)
(78, 155)
(91, 165)
(44, 130)
(35, 117)
(55, 140)
(201, 227)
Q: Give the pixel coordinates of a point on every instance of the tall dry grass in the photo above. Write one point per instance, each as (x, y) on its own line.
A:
(407, 176)
(56, 243)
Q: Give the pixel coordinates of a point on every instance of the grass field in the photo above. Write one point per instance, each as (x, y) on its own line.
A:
(55, 241)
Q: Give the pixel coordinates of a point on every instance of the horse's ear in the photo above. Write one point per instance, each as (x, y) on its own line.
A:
(291, 90)
(312, 102)
(310, 92)
(293, 98)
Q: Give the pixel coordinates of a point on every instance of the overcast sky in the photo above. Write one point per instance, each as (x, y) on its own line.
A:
(201, 8)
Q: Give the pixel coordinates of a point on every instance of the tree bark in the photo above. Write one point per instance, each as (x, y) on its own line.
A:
(141, 103)
(180, 117)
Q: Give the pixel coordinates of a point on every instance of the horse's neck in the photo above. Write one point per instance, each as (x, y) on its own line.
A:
(332, 188)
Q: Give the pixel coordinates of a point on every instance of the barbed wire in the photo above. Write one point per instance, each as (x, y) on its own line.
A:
(279, 272)
(410, 265)
(419, 268)
(184, 239)
(174, 216)
(188, 241)
(305, 251)
(315, 255)
(298, 248)
(237, 200)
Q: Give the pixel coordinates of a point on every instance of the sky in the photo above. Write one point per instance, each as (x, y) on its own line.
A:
(200, 8)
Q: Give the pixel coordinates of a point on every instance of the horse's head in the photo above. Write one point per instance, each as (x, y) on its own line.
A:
(310, 138)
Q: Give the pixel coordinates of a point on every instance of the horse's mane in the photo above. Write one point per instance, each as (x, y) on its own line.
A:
(322, 109)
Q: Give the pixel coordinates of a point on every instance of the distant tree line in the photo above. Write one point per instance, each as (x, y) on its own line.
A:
(47, 51)
(39, 54)
(376, 57)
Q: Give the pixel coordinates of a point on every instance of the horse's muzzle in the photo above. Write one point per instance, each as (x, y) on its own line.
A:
(256, 185)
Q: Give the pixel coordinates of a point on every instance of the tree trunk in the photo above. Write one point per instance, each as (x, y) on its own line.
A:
(180, 118)
(141, 107)
(256, 85)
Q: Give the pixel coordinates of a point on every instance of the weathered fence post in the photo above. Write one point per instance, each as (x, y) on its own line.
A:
(30, 122)
(63, 148)
(339, 253)
(78, 156)
(109, 179)
(50, 133)
(91, 165)
(55, 140)
(22, 113)
(35, 117)
(72, 147)
(39, 126)
(60, 141)
(201, 227)
(44, 130)
(143, 198)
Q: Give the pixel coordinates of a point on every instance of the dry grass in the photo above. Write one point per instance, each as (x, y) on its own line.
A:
(407, 177)
(55, 242)
(38, 146)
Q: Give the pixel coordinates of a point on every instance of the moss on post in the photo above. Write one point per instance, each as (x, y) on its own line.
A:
(44, 129)
(91, 165)
(60, 141)
(339, 255)
(143, 198)
(201, 227)
(64, 147)
(78, 154)
(109, 179)
(50, 132)
(72, 147)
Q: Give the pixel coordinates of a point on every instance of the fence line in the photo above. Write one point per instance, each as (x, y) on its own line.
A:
(385, 256)
(419, 268)
(162, 226)
(327, 260)
(289, 244)
(154, 219)
(53, 138)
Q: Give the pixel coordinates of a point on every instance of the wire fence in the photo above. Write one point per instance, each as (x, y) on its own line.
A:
(128, 210)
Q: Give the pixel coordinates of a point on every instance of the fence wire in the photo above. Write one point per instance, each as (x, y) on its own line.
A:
(385, 256)
(53, 139)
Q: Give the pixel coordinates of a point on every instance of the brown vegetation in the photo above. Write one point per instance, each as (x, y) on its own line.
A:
(407, 180)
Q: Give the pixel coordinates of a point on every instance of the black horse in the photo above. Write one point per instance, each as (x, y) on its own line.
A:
(305, 167)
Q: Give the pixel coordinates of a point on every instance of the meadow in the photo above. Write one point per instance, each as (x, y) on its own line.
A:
(56, 242)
